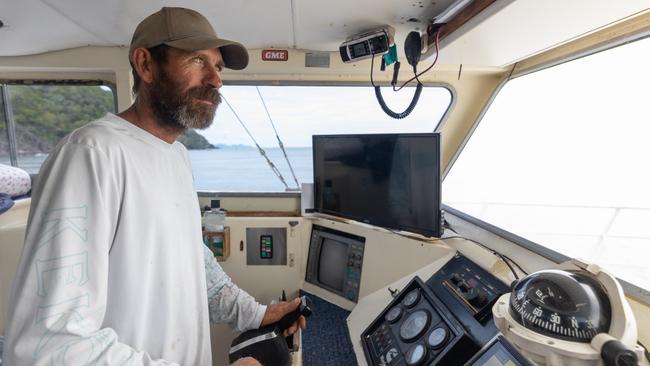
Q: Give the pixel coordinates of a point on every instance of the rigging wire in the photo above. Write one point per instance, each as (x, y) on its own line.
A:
(259, 148)
(278, 137)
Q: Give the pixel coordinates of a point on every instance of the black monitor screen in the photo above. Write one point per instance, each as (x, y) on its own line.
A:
(500, 353)
(390, 180)
(333, 264)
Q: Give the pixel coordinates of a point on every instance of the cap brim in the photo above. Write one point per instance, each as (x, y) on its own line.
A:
(235, 55)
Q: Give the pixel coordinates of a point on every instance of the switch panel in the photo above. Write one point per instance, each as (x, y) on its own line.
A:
(266, 246)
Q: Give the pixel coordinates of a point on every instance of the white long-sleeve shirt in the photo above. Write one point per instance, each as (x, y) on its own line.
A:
(113, 270)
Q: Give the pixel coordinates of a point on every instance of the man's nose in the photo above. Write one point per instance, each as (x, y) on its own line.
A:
(213, 77)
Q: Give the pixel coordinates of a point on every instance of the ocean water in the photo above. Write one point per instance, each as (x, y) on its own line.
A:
(228, 168)
(244, 169)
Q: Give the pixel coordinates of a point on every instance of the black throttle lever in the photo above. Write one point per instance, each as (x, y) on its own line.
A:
(288, 319)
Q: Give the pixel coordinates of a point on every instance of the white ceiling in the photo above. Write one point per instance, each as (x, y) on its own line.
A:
(514, 28)
(35, 26)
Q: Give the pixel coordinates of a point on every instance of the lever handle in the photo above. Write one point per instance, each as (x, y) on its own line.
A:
(290, 318)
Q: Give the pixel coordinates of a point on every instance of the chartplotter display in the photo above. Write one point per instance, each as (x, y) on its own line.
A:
(389, 180)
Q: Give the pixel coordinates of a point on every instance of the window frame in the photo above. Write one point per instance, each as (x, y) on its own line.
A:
(638, 293)
(7, 109)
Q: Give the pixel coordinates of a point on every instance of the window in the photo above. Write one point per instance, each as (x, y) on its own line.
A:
(43, 114)
(4, 137)
(298, 112)
(561, 159)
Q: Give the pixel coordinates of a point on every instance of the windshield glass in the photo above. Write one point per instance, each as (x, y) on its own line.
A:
(560, 159)
(227, 159)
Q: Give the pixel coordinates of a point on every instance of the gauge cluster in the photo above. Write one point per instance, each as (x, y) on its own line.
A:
(415, 329)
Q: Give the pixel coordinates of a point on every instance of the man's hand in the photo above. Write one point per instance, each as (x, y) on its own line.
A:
(246, 361)
(275, 312)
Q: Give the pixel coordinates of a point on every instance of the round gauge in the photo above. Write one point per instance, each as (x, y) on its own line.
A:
(437, 337)
(411, 298)
(416, 355)
(414, 325)
(561, 304)
(393, 314)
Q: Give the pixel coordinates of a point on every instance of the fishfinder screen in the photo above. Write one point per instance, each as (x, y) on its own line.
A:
(333, 261)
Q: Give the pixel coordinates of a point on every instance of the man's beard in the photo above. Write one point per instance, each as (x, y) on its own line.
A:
(178, 110)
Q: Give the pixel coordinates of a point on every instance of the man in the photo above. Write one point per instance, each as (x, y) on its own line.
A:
(114, 270)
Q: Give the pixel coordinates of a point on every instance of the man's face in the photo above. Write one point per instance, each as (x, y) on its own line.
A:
(184, 91)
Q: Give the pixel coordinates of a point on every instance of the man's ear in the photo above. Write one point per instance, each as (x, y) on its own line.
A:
(143, 64)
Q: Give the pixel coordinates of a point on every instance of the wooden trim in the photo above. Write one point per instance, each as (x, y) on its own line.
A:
(469, 12)
(263, 213)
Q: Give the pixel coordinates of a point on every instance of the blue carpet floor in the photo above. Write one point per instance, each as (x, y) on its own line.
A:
(325, 341)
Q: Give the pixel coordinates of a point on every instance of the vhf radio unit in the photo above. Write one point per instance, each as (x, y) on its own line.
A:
(365, 45)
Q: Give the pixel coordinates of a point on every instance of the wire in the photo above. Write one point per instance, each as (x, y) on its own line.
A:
(446, 225)
(503, 257)
(507, 260)
(372, 64)
(278, 137)
(645, 350)
(416, 77)
(259, 148)
(380, 98)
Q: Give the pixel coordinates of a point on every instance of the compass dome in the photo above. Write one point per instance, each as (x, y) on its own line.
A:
(561, 304)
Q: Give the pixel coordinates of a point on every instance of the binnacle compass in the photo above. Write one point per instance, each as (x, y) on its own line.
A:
(573, 314)
(561, 304)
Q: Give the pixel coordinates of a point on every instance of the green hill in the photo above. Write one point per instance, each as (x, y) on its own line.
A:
(46, 113)
(193, 140)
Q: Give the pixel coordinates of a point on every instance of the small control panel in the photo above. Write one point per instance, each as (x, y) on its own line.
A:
(469, 292)
(415, 329)
(353, 272)
(266, 246)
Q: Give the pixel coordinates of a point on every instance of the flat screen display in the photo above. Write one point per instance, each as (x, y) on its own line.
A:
(389, 180)
(498, 354)
(333, 264)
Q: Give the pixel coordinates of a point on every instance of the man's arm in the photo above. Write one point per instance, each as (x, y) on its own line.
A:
(59, 295)
(227, 302)
(230, 304)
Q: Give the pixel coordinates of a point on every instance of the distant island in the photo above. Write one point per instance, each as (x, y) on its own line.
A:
(234, 146)
(44, 114)
(193, 141)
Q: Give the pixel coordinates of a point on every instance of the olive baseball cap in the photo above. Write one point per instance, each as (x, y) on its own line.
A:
(187, 30)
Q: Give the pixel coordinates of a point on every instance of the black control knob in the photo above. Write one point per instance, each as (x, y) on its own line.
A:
(478, 298)
(615, 353)
(456, 279)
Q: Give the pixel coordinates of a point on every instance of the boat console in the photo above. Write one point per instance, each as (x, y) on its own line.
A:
(443, 321)
(575, 314)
